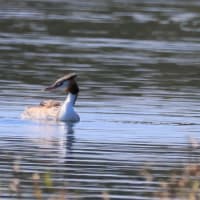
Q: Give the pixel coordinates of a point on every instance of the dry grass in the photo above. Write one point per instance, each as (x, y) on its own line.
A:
(182, 182)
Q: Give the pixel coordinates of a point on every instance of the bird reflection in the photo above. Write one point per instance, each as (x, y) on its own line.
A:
(53, 139)
(70, 137)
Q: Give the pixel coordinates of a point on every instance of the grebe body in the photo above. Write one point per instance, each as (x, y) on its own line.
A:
(54, 110)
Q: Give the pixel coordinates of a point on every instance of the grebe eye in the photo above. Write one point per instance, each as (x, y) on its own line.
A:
(59, 84)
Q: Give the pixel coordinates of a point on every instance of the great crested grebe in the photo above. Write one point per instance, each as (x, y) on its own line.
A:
(55, 110)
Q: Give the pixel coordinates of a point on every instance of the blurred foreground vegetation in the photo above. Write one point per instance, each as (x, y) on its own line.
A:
(182, 182)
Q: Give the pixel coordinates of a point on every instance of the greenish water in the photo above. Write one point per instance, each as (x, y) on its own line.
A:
(138, 71)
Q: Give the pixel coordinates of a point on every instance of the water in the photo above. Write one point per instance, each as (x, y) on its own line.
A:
(138, 71)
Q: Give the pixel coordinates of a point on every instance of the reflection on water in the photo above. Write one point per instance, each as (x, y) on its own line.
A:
(46, 147)
(138, 69)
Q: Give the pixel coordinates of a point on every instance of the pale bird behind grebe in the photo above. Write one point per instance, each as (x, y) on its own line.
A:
(55, 110)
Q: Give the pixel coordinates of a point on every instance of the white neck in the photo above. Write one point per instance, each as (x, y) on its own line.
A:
(67, 112)
(70, 100)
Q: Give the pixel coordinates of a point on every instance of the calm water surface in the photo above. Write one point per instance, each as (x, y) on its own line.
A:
(138, 70)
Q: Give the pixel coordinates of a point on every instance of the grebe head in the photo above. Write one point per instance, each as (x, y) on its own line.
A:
(68, 82)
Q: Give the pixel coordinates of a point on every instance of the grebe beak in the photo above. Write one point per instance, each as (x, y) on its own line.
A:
(57, 84)
(51, 87)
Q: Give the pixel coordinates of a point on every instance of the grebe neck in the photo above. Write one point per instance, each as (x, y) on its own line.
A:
(67, 112)
(70, 99)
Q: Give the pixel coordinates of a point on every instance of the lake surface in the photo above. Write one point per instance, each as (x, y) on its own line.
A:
(138, 69)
